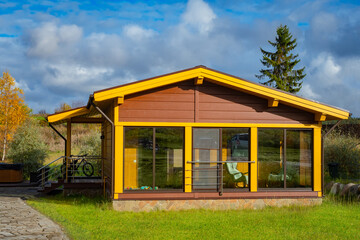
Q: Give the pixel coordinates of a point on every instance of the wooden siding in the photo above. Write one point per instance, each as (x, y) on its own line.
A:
(226, 105)
(172, 103)
(186, 102)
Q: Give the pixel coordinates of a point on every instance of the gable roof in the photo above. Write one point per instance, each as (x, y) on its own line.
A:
(198, 73)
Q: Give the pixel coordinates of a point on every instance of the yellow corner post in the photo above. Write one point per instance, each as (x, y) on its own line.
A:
(118, 154)
(188, 157)
(253, 157)
(317, 160)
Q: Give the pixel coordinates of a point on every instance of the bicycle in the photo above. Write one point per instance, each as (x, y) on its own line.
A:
(87, 168)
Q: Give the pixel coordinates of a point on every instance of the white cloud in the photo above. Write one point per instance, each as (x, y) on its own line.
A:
(199, 15)
(49, 39)
(135, 32)
(72, 76)
(307, 92)
(324, 68)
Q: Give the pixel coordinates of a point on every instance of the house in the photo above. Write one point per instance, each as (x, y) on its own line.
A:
(203, 138)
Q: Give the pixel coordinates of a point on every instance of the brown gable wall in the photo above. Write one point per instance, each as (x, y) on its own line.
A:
(185, 102)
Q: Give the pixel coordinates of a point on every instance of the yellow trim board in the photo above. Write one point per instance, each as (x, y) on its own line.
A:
(67, 114)
(225, 80)
(253, 157)
(245, 125)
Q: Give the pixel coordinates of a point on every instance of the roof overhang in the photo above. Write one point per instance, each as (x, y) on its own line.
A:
(321, 111)
(274, 96)
(76, 115)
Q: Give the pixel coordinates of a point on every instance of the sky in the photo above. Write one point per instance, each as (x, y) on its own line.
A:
(62, 51)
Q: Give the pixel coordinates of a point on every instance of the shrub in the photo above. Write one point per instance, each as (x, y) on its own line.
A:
(91, 144)
(28, 148)
(343, 149)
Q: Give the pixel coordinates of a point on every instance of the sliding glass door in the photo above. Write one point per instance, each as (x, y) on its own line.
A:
(220, 159)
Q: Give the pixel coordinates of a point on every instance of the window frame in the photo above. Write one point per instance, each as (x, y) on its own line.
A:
(285, 188)
(153, 190)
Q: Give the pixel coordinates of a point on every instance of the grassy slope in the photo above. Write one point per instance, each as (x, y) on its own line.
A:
(90, 219)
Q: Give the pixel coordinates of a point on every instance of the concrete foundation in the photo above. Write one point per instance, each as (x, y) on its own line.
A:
(212, 204)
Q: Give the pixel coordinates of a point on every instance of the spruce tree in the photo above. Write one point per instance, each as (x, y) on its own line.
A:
(280, 65)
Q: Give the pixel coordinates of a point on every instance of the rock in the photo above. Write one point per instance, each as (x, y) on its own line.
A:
(341, 187)
(345, 190)
(336, 188)
(328, 186)
(354, 191)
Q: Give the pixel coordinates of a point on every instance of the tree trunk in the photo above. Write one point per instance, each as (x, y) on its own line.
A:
(4, 147)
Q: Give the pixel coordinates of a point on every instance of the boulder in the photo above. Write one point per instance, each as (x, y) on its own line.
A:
(354, 191)
(335, 189)
(328, 186)
(345, 190)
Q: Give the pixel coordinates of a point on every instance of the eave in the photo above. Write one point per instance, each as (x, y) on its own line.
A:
(274, 96)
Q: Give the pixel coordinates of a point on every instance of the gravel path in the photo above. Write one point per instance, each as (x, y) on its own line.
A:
(20, 221)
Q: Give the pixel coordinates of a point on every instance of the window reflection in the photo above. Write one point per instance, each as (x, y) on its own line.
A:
(235, 147)
(141, 170)
(284, 158)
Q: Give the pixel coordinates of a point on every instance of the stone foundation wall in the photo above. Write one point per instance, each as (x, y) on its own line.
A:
(218, 204)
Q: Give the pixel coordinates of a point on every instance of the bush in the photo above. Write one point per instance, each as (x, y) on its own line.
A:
(28, 148)
(343, 149)
(91, 144)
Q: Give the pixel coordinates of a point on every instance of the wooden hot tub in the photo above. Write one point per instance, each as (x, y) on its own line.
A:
(11, 173)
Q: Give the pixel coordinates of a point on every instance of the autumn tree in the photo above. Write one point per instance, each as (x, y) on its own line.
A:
(280, 72)
(13, 110)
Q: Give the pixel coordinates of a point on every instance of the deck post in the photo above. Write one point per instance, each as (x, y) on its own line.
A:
(68, 146)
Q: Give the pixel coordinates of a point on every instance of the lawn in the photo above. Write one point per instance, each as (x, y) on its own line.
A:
(85, 218)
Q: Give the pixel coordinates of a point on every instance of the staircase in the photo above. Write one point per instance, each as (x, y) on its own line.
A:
(50, 177)
(51, 186)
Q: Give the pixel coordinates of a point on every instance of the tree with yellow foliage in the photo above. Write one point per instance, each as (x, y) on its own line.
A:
(13, 110)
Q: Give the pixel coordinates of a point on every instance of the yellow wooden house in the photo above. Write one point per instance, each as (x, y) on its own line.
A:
(204, 136)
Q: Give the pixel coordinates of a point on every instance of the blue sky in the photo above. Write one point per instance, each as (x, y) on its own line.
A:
(61, 51)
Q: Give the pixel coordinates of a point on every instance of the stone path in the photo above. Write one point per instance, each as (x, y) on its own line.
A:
(20, 221)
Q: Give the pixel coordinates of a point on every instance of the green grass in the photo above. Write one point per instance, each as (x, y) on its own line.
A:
(85, 218)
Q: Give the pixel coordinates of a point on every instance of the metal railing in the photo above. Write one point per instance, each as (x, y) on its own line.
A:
(83, 166)
(70, 168)
(213, 182)
(51, 171)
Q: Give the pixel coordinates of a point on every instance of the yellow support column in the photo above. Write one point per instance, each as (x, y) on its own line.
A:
(253, 157)
(68, 147)
(317, 161)
(118, 154)
(188, 157)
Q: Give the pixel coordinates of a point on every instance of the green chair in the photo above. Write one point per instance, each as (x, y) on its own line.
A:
(238, 176)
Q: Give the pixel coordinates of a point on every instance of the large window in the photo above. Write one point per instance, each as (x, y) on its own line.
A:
(284, 158)
(235, 154)
(215, 171)
(153, 158)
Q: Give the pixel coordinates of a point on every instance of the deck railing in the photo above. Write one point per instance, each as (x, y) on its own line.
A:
(51, 171)
(75, 166)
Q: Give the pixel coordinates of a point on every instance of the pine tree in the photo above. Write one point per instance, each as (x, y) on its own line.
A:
(280, 64)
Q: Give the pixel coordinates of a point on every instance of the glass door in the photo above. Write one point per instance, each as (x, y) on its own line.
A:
(206, 149)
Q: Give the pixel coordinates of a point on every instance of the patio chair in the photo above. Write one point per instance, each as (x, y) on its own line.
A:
(238, 176)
